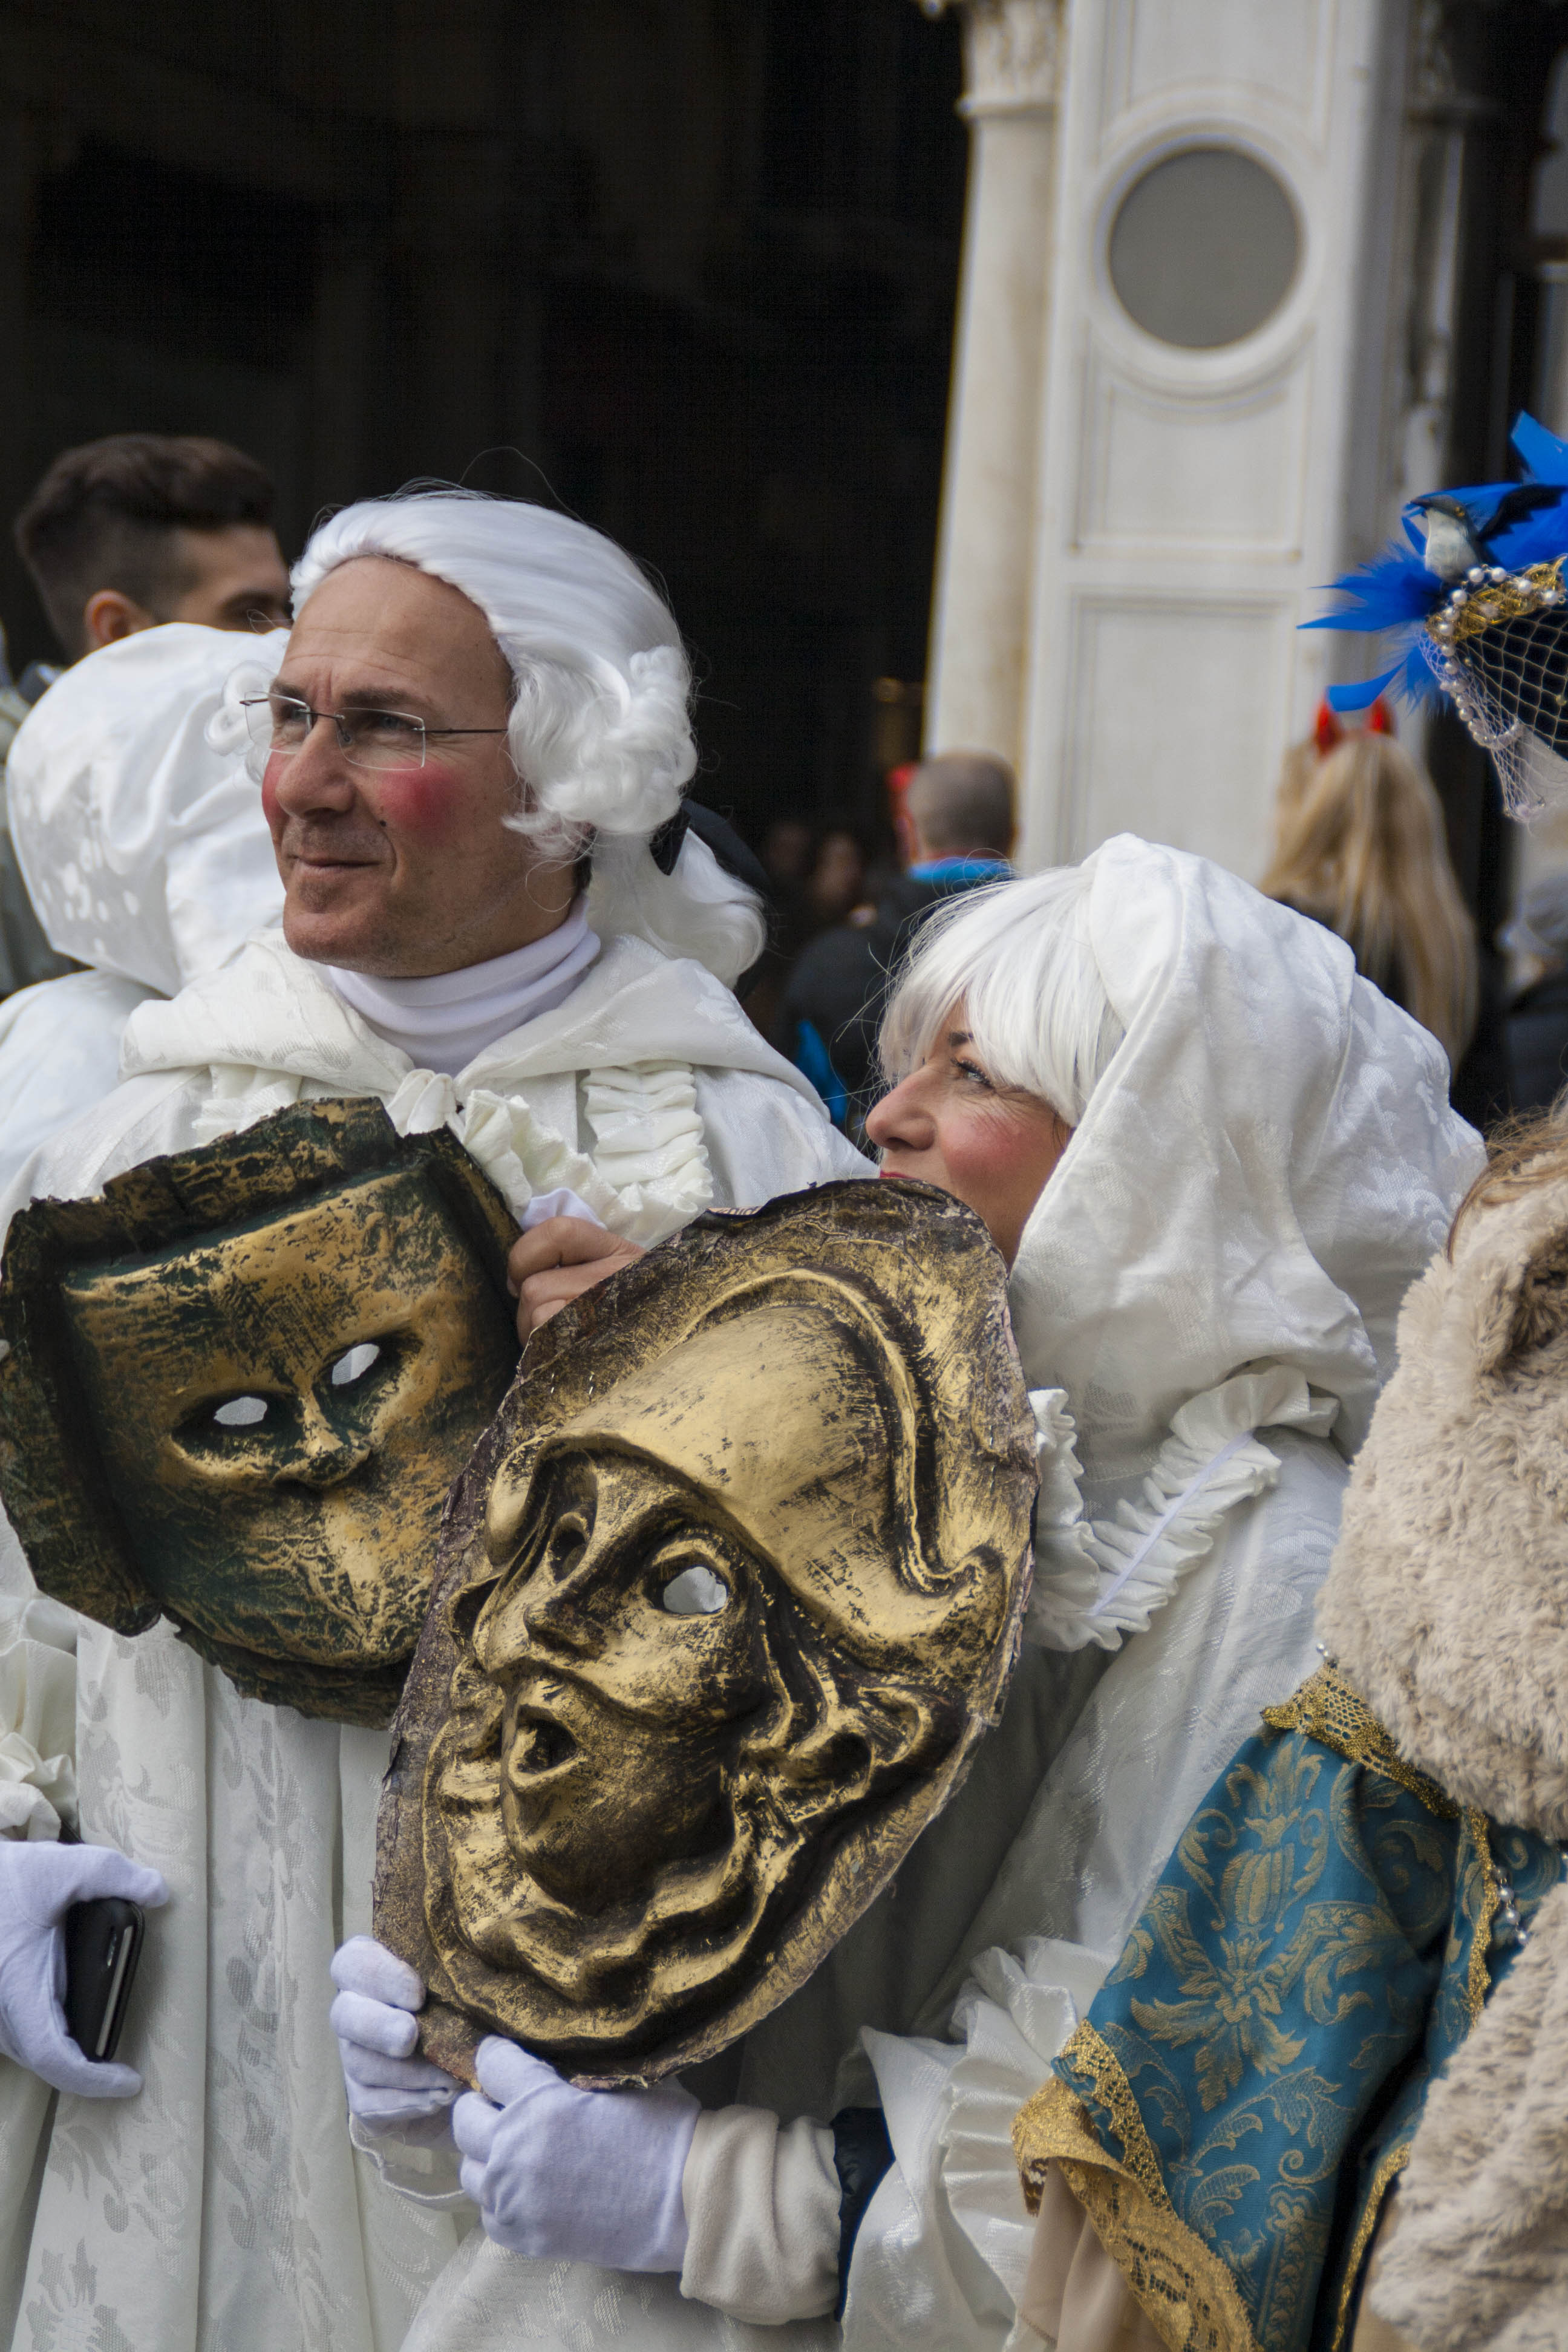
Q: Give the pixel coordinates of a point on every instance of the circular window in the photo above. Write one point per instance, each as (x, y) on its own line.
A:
(1203, 247)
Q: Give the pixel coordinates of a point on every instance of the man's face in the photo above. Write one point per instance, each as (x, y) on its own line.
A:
(237, 578)
(231, 577)
(409, 872)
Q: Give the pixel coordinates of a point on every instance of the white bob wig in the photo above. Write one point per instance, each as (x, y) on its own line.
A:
(1017, 956)
(600, 731)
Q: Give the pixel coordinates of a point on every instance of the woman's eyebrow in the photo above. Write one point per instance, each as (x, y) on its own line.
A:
(960, 1037)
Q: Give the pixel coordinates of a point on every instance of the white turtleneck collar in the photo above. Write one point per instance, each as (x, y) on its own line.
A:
(443, 1022)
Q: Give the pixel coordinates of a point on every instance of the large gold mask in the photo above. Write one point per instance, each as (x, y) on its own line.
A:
(727, 1595)
(239, 1384)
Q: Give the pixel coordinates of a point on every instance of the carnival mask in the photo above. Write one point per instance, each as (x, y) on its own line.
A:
(240, 1385)
(727, 1595)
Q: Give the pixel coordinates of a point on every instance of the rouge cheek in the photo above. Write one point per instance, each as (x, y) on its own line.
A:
(276, 817)
(422, 802)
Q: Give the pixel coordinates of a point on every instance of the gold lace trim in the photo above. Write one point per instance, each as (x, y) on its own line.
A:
(1480, 1977)
(1382, 2179)
(1501, 600)
(1188, 2294)
(1328, 1709)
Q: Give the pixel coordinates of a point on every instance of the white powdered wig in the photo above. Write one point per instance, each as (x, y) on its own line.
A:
(1017, 956)
(600, 731)
(695, 910)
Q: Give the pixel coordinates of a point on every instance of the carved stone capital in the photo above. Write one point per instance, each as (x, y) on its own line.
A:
(1010, 54)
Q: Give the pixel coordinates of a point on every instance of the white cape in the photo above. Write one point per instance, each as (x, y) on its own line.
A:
(647, 1092)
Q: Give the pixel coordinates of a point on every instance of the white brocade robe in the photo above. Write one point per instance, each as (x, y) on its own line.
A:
(224, 2208)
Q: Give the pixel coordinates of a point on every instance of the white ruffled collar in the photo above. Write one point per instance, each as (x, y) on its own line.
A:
(1098, 1579)
(271, 1028)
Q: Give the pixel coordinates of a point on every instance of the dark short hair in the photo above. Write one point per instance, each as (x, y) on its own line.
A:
(104, 516)
(963, 800)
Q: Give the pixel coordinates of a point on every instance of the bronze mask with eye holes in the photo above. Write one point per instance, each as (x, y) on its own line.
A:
(239, 1385)
(727, 1596)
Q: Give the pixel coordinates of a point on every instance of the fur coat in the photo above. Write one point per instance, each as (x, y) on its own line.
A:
(1448, 1607)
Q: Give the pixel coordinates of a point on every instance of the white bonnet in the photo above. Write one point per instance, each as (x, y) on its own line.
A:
(139, 832)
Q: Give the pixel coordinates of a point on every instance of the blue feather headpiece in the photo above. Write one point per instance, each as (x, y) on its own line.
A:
(1477, 567)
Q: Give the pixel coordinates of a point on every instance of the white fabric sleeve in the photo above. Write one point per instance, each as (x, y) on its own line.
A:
(763, 1139)
(762, 2216)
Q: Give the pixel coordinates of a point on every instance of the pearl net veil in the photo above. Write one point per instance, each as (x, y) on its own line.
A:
(1498, 648)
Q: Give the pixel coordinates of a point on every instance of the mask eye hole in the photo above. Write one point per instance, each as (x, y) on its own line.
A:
(695, 1593)
(356, 1364)
(241, 1413)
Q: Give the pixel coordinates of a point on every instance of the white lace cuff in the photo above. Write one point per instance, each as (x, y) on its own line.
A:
(1097, 1579)
(424, 2169)
(1013, 2019)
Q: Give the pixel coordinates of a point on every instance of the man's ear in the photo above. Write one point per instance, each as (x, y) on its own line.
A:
(107, 616)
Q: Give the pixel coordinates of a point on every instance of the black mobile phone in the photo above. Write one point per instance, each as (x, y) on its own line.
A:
(103, 1944)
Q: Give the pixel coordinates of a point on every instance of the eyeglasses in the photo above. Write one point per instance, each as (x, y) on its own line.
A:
(278, 726)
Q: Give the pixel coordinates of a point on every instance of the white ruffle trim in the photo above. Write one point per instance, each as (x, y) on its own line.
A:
(647, 1176)
(1097, 1579)
(1014, 2020)
(38, 1709)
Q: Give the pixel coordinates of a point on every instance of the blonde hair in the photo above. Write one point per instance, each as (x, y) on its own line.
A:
(1361, 846)
(1524, 1155)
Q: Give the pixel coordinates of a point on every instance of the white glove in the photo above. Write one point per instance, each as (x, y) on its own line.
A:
(39, 1881)
(373, 2017)
(589, 2176)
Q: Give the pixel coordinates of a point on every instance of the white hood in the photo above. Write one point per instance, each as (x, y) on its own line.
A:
(1264, 1170)
(143, 846)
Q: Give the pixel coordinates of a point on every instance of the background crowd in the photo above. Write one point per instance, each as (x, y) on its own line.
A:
(139, 529)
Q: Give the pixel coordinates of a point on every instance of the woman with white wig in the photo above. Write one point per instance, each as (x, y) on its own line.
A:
(471, 756)
(1214, 1160)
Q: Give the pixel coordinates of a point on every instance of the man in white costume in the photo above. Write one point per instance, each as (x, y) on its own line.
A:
(145, 853)
(477, 697)
(1214, 1158)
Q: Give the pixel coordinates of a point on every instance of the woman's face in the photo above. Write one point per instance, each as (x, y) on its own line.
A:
(991, 1147)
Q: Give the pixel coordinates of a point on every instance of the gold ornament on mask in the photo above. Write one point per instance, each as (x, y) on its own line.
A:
(727, 1596)
(238, 1385)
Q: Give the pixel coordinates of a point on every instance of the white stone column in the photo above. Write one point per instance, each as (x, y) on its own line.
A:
(980, 616)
